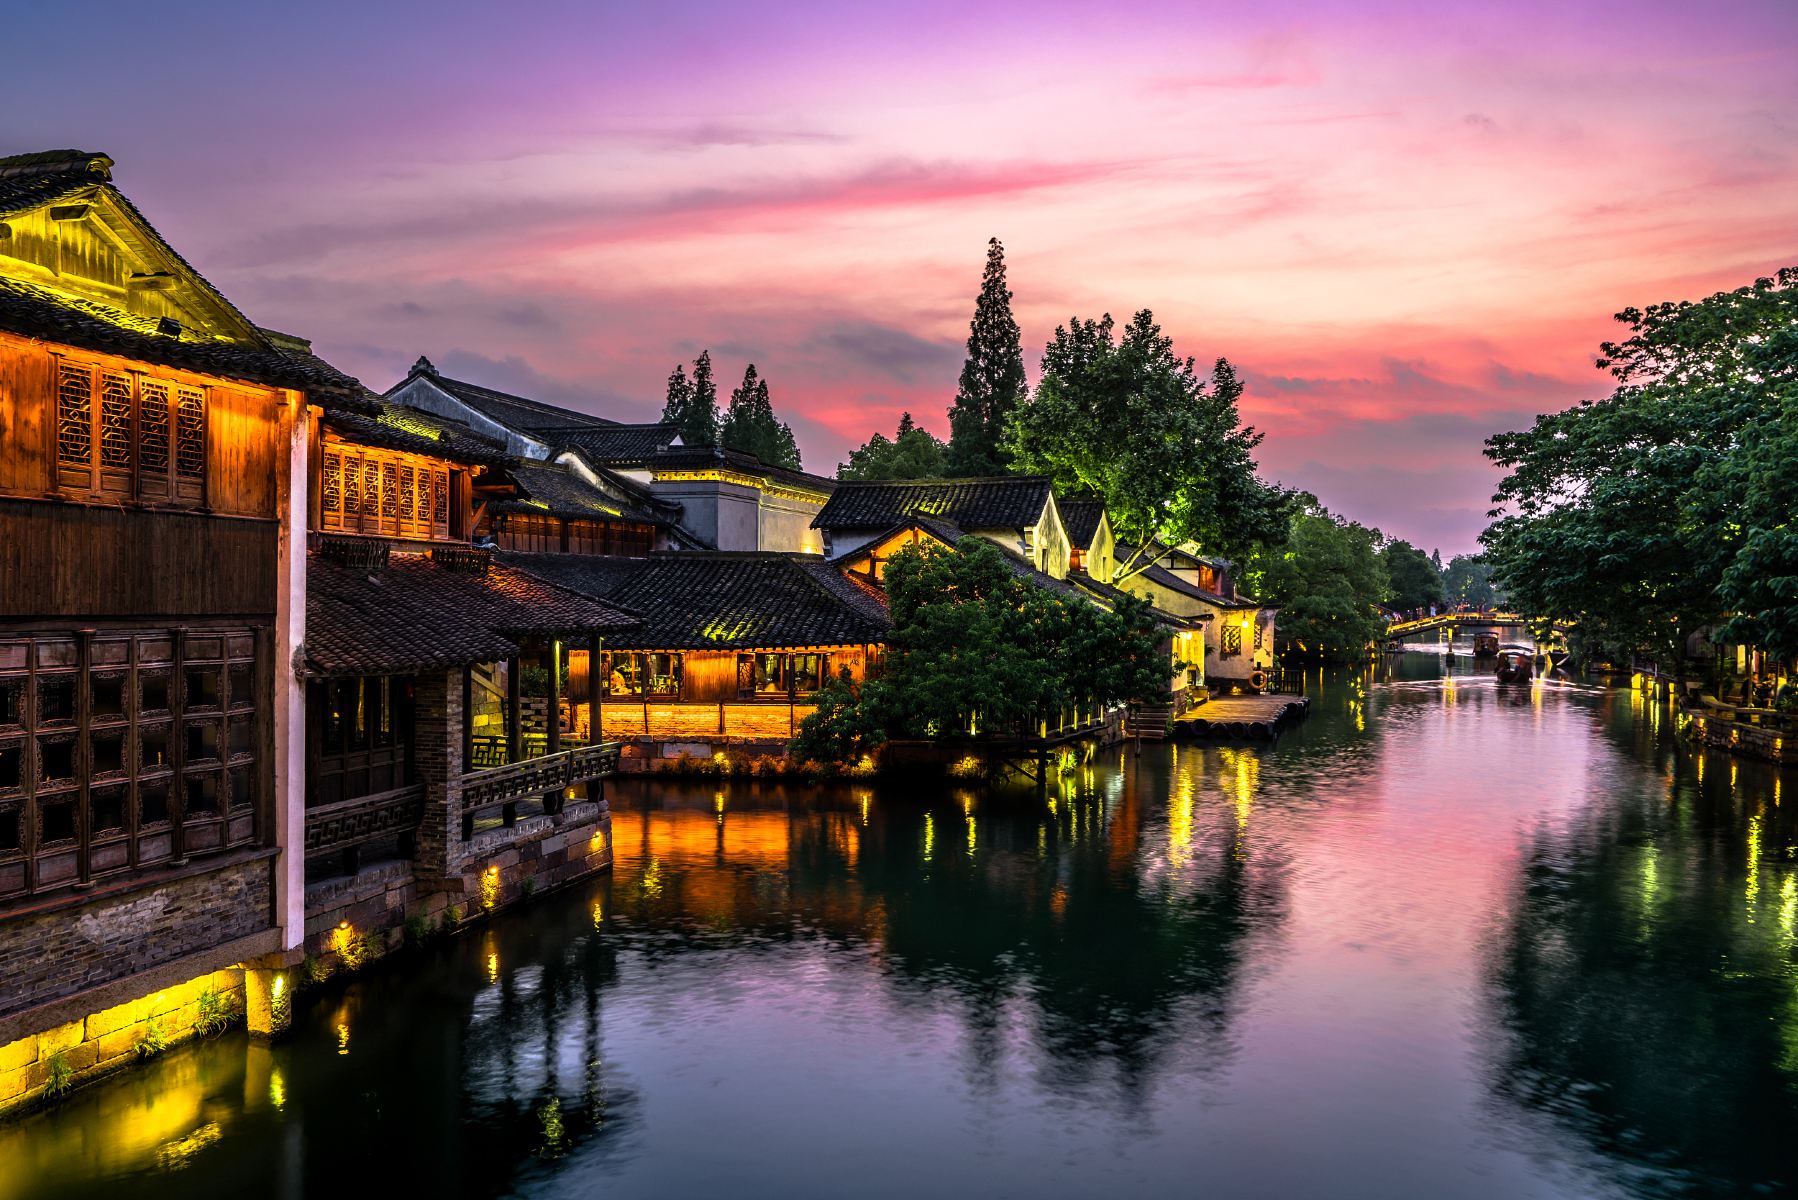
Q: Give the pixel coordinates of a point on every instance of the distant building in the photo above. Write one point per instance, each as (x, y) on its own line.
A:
(719, 499)
(1018, 513)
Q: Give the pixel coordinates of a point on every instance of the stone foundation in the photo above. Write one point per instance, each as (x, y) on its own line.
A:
(78, 1051)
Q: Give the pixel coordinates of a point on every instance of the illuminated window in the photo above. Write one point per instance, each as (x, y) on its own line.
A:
(780, 675)
(636, 674)
(381, 493)
(1231, 641)
(125, 437)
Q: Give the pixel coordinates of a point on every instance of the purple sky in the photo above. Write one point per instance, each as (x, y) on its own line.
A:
(1407, 224)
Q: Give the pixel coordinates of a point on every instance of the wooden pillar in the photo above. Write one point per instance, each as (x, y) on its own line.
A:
(467, 719)
(595, 691)
(514, 710)
(555, 696)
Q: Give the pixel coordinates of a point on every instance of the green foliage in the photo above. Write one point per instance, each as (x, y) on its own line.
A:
(1329, 580)
(976, 648)
(913, 453)
(214, 1014)
(418, 930)
(692, 405)
(526, 887)
(315, 970)
(61, 1076)
(533, 679)
(1415, 578)
(452, 917)
(1665, 507)
(1128, 421)
(1468, 580)
(750, 425)
(152, 1041)
(992, 380)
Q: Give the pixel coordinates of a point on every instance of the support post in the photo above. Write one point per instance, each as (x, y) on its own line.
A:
(514, 712)
(596, 728)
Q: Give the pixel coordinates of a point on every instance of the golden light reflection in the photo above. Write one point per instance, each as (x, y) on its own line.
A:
(180, 1152)
(343, 1037)
(599, 913)
(277, 1089)
(929, 836)
(1753, 889)
(1788, 905)
(972, 836)
(1180, 821)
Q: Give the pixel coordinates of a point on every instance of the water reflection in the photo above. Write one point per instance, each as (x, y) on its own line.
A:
(1445, 939)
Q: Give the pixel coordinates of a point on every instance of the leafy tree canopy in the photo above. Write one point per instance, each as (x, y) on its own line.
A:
(1416, 577)
(992, 378)
(692, 404)
(750, 425)
(1129, 421)
(975, 648)
(1468, 580)
(1658, 510)
(912, 453)
(1329, 580)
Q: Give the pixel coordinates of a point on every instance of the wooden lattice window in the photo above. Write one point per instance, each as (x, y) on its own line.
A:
(125, 750)
(124, 437)
(381, 493)
(440, 498)
(1232, 640)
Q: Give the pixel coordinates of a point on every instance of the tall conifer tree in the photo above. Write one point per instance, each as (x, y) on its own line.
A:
(751, 426)
(992, 378)
(692, 405)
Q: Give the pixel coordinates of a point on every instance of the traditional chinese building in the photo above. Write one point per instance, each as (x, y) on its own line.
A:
(731, 648)
(153, 444)
(1239, 630)
(1017, 513)
(716, 498)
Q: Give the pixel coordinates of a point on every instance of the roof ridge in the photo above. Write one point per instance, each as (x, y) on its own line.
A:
(944, 482)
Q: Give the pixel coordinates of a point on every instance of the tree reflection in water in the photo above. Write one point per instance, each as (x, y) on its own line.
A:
(1646, 978)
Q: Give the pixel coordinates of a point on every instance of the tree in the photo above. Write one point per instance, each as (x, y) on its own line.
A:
(913, 453)
(750, 425)
(1468, 580)
(1654, 512)
(692, 405)
(1130, 422)
(992, 378)
(1416, 577)
(977, 649)
(1329, 580)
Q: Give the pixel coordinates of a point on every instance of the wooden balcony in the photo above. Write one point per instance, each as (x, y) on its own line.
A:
(345, 827)
(543, 779)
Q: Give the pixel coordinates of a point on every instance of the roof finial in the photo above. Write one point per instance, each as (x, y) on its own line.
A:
(423, 366)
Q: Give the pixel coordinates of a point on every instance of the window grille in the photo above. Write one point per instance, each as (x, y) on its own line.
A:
(153, 416)
(1232, 640)
(75, 415)
(115, 422)
(408, 494)
(190, 434)
(390, 493)
(333, 485)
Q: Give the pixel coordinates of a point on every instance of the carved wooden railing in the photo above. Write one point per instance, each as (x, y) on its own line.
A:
(536, 778)
(348, 824)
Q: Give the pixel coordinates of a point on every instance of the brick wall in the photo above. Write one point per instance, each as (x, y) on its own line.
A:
(46, 956)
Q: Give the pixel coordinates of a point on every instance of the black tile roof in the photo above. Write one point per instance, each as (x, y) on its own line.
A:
(413, 431)
(414, 615)
(724, 601)
(1082, 520)
(1168, 579)
(559, 492)
(615, 445)
(514, 412)
(40, 312)
(941, 530)
(29, 181)
(1009, 502)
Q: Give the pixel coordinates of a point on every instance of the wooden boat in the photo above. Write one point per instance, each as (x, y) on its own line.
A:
(1515, 665)
(1485, 645)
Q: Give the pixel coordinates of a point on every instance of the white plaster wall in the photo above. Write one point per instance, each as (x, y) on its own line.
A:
(421, 393)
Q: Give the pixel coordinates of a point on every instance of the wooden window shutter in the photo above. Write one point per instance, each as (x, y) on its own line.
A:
(75, 427)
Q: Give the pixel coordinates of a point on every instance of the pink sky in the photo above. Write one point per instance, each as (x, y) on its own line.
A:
(1407, 224)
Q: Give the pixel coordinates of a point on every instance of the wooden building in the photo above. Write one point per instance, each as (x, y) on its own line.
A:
(151, 437)
(731, 647)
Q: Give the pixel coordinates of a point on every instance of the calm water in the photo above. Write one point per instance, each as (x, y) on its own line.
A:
(1443, 941)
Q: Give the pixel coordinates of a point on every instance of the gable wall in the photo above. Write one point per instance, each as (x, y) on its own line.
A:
(421, 393)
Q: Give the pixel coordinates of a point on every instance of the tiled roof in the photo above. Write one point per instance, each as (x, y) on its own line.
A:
(1161, 575)
(415, 432)
(1082, 520)
(1010, 502)
(615, 445)
(559, 492)
(28, 180)
(515, 412)
(40, 312)
(720, 601)
(415, 615)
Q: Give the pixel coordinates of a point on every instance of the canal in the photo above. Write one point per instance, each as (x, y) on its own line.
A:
(1444, 940)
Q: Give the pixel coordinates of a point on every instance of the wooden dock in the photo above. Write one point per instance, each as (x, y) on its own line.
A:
(1249, 717)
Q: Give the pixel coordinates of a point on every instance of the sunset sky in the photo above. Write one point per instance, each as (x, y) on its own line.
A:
(1407, 224)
